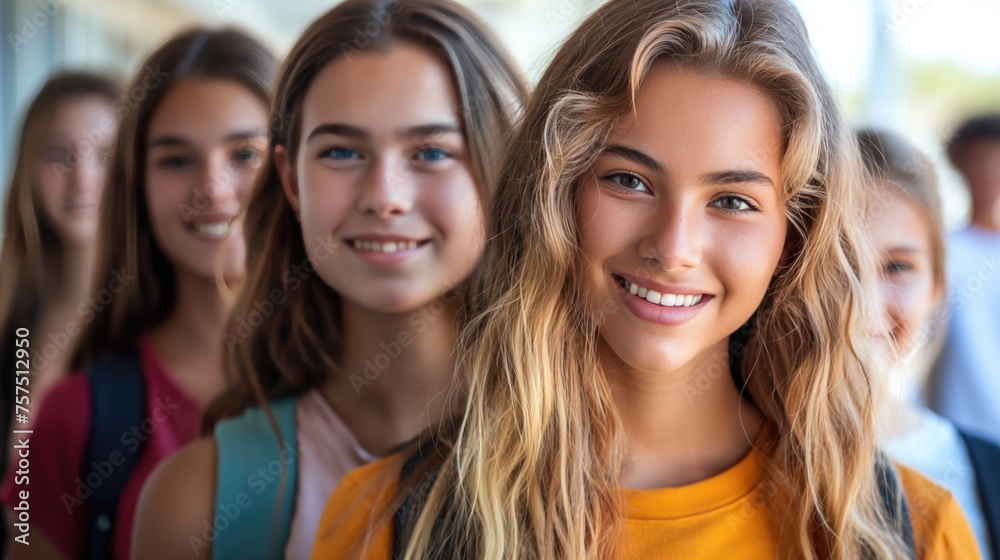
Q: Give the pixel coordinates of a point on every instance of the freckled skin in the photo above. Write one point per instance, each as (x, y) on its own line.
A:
(419, 186)
(675, 227)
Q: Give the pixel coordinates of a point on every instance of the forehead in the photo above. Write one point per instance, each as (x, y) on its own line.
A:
(704, 121)
(207, 108)
(405, 85)
(896, 220)
(77, 116)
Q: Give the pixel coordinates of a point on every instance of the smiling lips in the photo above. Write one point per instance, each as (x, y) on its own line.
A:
(211, 228)
(659, 298)
(385, 246)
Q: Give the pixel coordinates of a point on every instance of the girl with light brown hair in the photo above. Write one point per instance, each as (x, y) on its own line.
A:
(668, 354)
(190, 144)
(390, 118)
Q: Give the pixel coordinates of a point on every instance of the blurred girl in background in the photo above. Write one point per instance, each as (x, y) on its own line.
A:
(904, 218)
(50, 228)
(170, 250)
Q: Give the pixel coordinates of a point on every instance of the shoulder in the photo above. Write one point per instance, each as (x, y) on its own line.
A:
(177, 505)
(940, 529)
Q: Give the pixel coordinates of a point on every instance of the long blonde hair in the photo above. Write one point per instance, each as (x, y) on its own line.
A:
(533, 468)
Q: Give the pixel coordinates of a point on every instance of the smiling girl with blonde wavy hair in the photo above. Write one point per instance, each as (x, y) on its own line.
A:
(669, 353)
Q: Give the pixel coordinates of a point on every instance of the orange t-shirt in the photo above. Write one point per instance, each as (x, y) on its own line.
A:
(720, 517)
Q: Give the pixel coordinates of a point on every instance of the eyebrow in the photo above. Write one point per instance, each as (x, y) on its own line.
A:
(731, 177)
(635, 156)
(737, 177)
(349, 131)
(173, 140)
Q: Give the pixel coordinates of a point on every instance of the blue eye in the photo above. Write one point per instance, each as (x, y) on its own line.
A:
(732, 203)
(339, 153)
(628, 181)
(897, 267)
(432, 154)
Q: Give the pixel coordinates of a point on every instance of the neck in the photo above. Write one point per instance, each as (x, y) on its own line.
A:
(395, 372)
(189, 340)
(986, 215)
(899, 415)
(682, 426)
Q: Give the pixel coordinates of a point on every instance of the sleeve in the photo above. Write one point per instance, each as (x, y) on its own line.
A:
(43, 482)
(940, 529)
(354, 522)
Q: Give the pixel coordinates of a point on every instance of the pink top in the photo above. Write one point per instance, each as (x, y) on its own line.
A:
(328, 451)
(57, 447)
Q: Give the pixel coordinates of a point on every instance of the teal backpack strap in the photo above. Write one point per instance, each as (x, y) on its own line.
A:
(247, 521)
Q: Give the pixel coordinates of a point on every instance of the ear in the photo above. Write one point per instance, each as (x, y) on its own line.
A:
(288, 180)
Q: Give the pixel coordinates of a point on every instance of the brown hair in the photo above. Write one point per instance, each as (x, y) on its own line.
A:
(33, 254)
(127, 246)
(890, 158)
(297, 346)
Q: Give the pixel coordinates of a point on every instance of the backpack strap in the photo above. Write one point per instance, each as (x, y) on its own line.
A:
(117, 405)
(985, 458)
(894, 501)
(249, 488)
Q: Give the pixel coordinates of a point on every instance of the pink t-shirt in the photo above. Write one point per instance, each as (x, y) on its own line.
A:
(58, 445)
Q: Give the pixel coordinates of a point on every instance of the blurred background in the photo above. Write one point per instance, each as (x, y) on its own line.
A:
(917, 66)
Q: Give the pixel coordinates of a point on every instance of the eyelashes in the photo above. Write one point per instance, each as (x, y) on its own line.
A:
(727, 202)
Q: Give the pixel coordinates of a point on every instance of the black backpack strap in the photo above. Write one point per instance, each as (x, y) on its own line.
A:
(894, 501)
(117, 404)
(985, 458)
(738, 342)
(413, 504)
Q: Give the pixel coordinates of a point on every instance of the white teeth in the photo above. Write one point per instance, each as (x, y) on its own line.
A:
(215, 230)
(387, 247)
(666, 300)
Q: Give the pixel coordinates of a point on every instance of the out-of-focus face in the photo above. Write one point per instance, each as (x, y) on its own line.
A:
(72, 166)
(682, 220)
(908, 292)
(204, 145)
(383, 181)
(979, 163)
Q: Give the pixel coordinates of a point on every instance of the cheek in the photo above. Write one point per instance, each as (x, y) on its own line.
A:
(450, 202)
(50, 184)
(916, 300)
(746, 257)
(324, 199)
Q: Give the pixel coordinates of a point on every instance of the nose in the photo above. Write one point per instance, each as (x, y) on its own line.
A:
(219, 180)
(386, 189)
(673, 242)
(86, 174)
